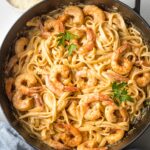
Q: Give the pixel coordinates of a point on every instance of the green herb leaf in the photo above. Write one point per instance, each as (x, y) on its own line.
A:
(71, 48)
(67, 36)
(116, 85)
(120, 93)
(61, 41)
(60, 34)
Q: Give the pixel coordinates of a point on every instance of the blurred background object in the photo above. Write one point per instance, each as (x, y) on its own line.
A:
(23, 4)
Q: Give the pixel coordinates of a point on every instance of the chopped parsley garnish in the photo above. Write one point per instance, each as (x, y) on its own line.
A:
(71, 48)
(61, 39)
(64, 39)
(120, 93)
(69, 36)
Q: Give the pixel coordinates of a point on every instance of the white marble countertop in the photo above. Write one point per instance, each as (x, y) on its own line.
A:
(8, 16)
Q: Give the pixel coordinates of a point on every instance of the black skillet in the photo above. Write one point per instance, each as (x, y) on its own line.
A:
(129, 14)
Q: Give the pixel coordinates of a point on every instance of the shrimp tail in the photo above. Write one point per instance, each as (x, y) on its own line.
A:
(70, 89)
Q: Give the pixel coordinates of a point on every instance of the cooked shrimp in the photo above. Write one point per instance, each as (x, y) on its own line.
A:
(56, 145)
(12, 62)
(44, 32)
(145, 63)
(143, 79)
(72, 137)
(92, 111)
(34, 22)
(22, 102)
(57, 87)
(90, 42)
(90, 145)
(8, 87)
(25, 82)
(111, 117)
(89, 78)
(116, 77)
(60, 70)
(91, 105)
(21, 44)
(94, 97)
(59, 73)
(38, 100)
(72, 109)
(121, 65)
(53, 26)
(78, 32)
(75, 12)
(114, 137)
(97, 13)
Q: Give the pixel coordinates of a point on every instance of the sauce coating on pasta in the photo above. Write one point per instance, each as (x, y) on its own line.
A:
(79, 77)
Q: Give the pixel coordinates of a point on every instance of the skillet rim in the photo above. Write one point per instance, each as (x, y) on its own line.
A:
(21, 20)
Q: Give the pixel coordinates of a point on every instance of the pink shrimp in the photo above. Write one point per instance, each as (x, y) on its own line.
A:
(54, 26)
(56, 145)
(121, 65)
(93, 112)
(8, 87)
(57, 87)
(72, 136)
(86, 74)
(110, 113)
(97, 13)
(22, 102)
(38, 100)
(90, 42)
(51, 26)
(98, 97)
(54, 81)
(114, 137)
(116, 77)
(73, 12)
(26, 84)
(21, 44)
(143, 79)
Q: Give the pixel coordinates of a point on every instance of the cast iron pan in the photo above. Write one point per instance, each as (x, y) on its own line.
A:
(49, 5)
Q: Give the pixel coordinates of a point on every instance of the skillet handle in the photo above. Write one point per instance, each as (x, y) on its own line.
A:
(137, 6)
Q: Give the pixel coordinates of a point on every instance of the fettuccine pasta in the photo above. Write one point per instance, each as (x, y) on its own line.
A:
(78, 77)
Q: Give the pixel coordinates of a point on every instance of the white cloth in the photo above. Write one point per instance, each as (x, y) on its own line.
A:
(11, 140)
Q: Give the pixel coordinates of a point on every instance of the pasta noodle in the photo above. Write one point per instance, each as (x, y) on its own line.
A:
(68, 72)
